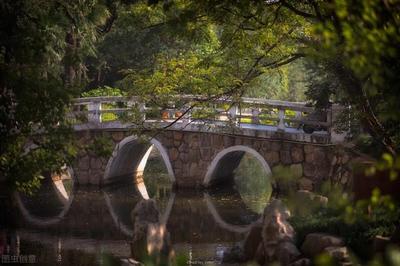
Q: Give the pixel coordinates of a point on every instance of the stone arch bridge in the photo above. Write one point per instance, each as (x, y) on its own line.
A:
(203, 153)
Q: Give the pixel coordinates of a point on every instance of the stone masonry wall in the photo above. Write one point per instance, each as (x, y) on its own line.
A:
(191, 153)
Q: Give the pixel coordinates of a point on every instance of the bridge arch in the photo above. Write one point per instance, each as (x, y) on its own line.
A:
(230, 157)
(129, 159)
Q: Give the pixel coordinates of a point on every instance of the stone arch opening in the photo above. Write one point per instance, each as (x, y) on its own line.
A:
(52, 202)
(225, 163)
(128, 162)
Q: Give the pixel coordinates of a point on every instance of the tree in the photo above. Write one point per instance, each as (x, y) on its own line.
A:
(353, 43)
(42, 43)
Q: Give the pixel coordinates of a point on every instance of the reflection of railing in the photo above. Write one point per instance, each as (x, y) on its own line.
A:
(248, 111)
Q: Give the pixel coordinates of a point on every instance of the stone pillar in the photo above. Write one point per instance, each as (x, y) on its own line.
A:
(94, 109)
(281, 116)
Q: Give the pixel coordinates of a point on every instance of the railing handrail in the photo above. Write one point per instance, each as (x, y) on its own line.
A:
(247, 100)
(254, 111)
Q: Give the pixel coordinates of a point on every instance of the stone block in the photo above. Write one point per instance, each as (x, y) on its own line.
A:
(257, 145)
(296, 170)
(297, 154)
(275, 146)
(194, 142)
(83, 163)
(285, 157)
(117, 136)
(266, 145)
(316, 157)
(95, 178)
(218, 141)
(238, 141)
(184, 147)
(184, 157)
(194, 170)
(248, 142)
(177, 143)
(228, 141)
(205, 141)
(173, 154)
(82, 177)
(272, 157)
(95, 163)
(308, 149)
(178, 164)
(194, 155)
(309, 170)
(177, 135)
(205, 153)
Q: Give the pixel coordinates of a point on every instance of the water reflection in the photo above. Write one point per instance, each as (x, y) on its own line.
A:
(253, 183)
(50, 204)
(94, 227)
(229, 210)
(122, 200)
(100, 221)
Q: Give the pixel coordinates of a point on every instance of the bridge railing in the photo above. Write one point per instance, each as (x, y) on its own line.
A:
(262, 114)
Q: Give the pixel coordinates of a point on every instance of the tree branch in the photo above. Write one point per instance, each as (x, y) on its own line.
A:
(297, 11)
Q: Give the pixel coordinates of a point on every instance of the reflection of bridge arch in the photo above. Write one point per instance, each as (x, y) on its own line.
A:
(129, 159)
(124, 222)
(226, 161)
(221, 222)
(59, 195)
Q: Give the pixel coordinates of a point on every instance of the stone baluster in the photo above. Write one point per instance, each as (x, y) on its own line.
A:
(187, 118)
(334, 111)
(281, 116)
(255, 115)
(298, 116)
(232, 114)
(142, 110)
(94, 115)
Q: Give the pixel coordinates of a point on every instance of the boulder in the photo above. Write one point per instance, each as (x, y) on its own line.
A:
(278, 234)
(301, 262)
(305, 184)
(315, 243)
(320, 201)
(380, 243)
(339, 254)
(287, 252)
(395, 238)
(276, 206)
(252, 241)
(260, 255)
(275, 225)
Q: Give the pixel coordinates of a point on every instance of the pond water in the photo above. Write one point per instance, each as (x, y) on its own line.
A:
(67, 225)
